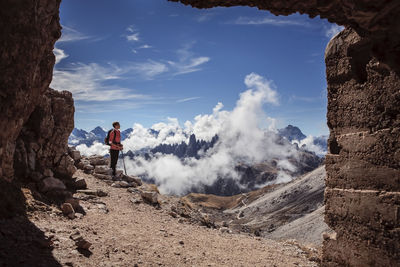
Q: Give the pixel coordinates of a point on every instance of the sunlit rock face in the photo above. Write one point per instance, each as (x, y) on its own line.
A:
(362, 193)
(28, 32)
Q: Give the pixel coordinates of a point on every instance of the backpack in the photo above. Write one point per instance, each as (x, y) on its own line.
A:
(107, 139)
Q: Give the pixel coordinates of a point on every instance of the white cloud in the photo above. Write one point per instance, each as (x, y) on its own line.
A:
(133, 37)
(187, 99)
(268, 21)
(150, 69)
(187, 62)
(241, 140)
(95, 149)
(263, 89)
(59, 54)
(131, 28)
(146, 46)
(91, 82)
(308, 142)
(333, 30)
(206, 16)
(70, 35)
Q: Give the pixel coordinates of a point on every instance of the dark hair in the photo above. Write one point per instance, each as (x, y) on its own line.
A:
(115, 123)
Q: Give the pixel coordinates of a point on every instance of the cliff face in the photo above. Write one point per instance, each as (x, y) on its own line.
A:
(29, 30)
(363, 168)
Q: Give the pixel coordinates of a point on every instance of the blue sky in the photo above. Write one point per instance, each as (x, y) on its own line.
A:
(141, 61)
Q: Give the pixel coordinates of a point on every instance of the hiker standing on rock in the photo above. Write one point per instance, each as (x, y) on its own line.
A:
(114, 141)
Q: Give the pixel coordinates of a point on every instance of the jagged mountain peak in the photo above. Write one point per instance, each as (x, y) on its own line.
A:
(291, 132)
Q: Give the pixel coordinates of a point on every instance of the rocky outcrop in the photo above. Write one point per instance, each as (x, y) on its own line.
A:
(41, 146)
(363, 167)
(29, 30)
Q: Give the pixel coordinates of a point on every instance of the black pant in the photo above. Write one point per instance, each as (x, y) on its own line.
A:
(114, 159)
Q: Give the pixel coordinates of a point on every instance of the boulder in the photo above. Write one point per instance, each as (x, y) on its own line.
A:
(98, 160)
(149, 197)
(103, 169)
(82, 163)
(149, 188)
(51, 184)
(66, 168)
(80, 184)
(121, 184)
(132, 179)
(75, 155)
(68, 210)
(74, 203)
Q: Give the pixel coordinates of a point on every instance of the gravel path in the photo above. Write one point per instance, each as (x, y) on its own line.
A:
(126, 234)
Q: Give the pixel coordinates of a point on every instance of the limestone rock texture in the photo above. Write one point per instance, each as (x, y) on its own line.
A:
(28, 32)
(362, 194)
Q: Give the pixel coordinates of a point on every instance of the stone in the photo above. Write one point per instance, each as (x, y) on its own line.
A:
(149, 188)
(67, 210)
(135, 200)
(134, 190)
(103, 169)
(51, 184)
(80, 242)
(132, 179)
(225, 230)
(66, 167)
(80, 184)
(88, 167)
(150, 197)
(102, 176)
(74, 202)
(121, 184)
(101, 193)
(75, 155)
(98, 160)
(93, 192)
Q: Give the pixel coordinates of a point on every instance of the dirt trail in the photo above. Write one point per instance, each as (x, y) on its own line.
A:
(126, 234)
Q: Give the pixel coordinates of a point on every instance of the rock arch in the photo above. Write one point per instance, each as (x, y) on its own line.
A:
(363, 65)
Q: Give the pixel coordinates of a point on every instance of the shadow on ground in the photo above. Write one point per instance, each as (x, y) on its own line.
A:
(21, 242)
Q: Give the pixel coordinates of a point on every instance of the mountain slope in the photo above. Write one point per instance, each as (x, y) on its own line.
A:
(292, 210)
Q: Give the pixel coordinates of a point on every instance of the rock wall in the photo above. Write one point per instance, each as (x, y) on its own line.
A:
(28, 32)
(42, 143)
(363, 167)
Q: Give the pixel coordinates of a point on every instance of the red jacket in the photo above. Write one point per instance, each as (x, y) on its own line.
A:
(115, 141)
